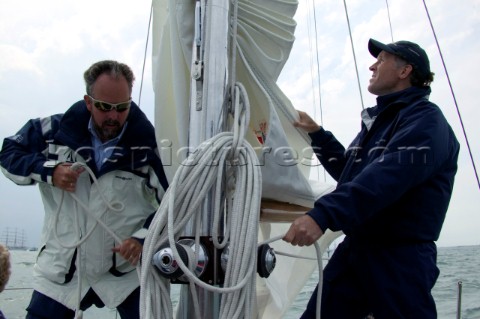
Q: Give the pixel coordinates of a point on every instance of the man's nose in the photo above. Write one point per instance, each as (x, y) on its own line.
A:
(112, 115)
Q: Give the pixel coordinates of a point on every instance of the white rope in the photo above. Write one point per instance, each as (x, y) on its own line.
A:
(114, 206)
(225, 157)
(320, 268)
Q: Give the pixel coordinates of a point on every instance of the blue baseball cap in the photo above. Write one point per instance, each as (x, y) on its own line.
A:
(408, 51)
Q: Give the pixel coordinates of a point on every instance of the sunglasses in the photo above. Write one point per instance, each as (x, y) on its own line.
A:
(106, 107)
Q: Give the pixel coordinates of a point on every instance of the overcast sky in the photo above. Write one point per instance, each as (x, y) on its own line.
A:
(45, 46)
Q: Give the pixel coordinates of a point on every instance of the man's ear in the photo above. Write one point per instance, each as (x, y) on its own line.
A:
(88, 102)
(407, 69)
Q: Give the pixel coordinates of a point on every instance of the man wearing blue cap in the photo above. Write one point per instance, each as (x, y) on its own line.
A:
(395, 181)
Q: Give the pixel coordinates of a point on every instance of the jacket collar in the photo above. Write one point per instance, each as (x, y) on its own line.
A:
(403, 97)
(74, 132)
(394, 101)
(135, 146)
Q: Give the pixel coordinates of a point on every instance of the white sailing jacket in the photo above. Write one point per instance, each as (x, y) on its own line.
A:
(132, 180)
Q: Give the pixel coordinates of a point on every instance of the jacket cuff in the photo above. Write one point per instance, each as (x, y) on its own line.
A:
(321, 136)
(47, 171)
(141, 233)
(319, 218)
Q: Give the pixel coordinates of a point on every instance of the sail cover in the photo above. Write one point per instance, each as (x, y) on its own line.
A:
(264, 39)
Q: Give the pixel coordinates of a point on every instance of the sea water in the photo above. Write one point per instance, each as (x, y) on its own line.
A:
(457, 264)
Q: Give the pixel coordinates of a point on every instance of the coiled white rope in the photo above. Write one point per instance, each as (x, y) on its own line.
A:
(225, 158)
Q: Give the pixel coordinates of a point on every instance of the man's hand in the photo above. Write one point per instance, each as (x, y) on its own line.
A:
(130, 250)
(304, 231)
(306, 123)
(66, 178)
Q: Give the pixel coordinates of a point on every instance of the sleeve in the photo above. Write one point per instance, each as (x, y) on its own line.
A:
(23, 157)
(140, 234)
(329, 151)
(157, 177)
(421, 147)
(159, 182)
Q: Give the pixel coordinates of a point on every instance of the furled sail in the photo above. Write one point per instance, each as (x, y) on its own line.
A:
(264, 39)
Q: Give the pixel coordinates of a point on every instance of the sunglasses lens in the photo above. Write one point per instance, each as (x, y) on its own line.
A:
(105, 107)
(102, 106)
(123, 107)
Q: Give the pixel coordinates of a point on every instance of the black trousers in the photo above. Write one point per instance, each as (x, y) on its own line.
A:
(43, 307)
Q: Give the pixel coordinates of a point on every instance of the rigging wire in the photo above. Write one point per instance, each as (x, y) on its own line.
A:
(354, 55)
(145, 54)
(310, 47)
(318, 63)
(389, 20)
(453, 95)
(318, 78)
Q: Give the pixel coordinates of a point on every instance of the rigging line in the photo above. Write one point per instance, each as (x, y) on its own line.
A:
(319, 83)
(354, 55)
(453, 95)
(318, 63)
(145, 54)
(389, 20)
(310, 47)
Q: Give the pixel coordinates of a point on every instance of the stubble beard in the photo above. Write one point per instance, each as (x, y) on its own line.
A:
(108, 130)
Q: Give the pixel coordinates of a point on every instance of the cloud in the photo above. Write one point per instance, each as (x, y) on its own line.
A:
(15, 58)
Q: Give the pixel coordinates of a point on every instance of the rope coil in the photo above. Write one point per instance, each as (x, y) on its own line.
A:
(224, 157)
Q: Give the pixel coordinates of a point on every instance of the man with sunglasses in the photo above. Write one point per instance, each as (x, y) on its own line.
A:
(103, 152)
(394, 186)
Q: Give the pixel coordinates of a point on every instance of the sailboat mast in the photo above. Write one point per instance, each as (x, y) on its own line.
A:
(209, 71)
(209, 86)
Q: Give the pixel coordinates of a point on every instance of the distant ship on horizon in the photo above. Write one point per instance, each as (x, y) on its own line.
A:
(14, 239)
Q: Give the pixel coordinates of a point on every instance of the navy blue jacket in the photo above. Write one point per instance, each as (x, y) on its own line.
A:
(394, 185)
(396, 178)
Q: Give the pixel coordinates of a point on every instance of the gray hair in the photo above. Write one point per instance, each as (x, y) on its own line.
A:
(110, 67)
